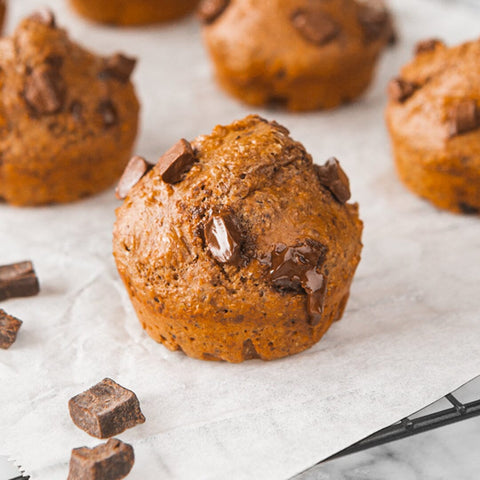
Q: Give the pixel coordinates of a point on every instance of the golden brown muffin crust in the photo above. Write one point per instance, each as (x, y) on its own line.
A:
(137, 12)
(433, 120)
(186, 296)
(305, 55)
(68, 118)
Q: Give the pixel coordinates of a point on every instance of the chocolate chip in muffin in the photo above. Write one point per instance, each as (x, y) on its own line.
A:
(314, 26)
(109, 461)
(401, 90)
(375, 20)
(176, 162)
(106, 409)
(296, 269)
(223, 239)
(118, 66)
(44, 16)
(468, 209)
(332, 176)
(9, 327)
(137, 167)
(44, 91)
(108, 112)
(428, 45)
(18, 280)
(463, 118)
(209, 10)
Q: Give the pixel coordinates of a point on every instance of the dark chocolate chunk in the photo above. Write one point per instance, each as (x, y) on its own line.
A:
(463, 118)
(223, 239)
(209, 10)
(401, 90)
(44, 91)
(45, 16)
(109, 461)
(106, 409)
(468, 209)
(297, 270)
(376, 21)
(118, 66)
(9, 327)
(18, 280)
(108, 112)
(249, 351)
(314, 25)
(335, 179)
(137, 167)
(176, 162)
(428, 45)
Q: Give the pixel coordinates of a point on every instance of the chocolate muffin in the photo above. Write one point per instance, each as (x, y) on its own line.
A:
(68, 118)
(433, 118)
(138, 12)
(236, 246)
(300, 54)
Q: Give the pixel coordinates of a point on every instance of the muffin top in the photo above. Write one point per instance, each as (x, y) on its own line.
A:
(329, 31)
(433, 103)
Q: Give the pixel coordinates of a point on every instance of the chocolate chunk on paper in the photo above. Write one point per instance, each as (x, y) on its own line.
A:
(332, 176)
(109, 461)
(463, 118)
(209, 10)
(176, 162)
(314, 25)
(223, 239)
(137, 167)
(18, 280)
(106, 409)
(9, 327)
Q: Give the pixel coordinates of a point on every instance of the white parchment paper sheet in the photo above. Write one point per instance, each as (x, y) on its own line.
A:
(411, 332)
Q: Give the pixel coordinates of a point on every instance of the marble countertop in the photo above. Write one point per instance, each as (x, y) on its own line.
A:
(445, 453)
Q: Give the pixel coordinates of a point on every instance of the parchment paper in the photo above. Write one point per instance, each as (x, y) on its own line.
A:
(411, 332)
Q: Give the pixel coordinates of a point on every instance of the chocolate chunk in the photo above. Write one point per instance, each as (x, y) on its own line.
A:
(108, 112)
(44, 91)
(106, 409)
(297, 270)
(18, 280)
(468, 209)
(428, 45)
(401, 90)
(314, 25)
(9, 327)
(176, 162)
(119, 67)
(109, 461)
(137, 167)
(463, 118)
(44, 16)
(223, 239)
(335, 179)
(249, 351)
(376, 21)
(209, 10)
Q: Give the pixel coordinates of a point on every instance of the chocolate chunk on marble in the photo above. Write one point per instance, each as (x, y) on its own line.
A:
(223, 239)
(44, 92)
(463, 118)
(112, 460)
(314, 25)
(136, 168)
(332, 176)
(18, 280)
(401, 90)
(176, 162)
(118, 66)
(428, 45)
(209, 10)
(106, 409)
(297, 270)
(44, 16)
(9, 327)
